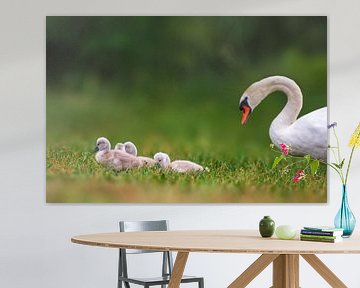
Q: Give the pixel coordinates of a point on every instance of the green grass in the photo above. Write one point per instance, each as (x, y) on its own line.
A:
(74, 176)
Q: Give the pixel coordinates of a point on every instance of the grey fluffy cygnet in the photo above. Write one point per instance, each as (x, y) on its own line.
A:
(114, 159)
(130, 148)
(181, 166)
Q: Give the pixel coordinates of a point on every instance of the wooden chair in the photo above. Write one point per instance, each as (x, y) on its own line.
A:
(167, 262)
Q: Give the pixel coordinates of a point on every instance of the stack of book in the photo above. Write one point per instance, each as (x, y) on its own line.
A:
(321, 234)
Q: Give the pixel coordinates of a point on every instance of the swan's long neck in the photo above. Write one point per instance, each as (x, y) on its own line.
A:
(290, 112)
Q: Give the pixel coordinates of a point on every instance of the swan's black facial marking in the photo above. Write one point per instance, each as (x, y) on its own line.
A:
(244, 103)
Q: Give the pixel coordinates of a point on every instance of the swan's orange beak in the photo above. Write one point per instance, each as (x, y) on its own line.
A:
(245, 113)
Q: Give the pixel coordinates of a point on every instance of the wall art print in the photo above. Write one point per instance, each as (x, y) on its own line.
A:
(186, 109)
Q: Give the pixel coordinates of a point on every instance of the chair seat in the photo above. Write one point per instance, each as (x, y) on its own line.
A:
(158, 280)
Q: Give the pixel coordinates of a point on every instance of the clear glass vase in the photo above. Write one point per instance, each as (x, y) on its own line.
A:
(345, 219)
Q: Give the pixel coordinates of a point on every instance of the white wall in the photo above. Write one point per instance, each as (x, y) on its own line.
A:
(35, 248)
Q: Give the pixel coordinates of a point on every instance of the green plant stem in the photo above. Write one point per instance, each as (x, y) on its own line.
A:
(288, 155)
(339, 160)
(333, 152)
(337, 143)
(297, 162)
(335, 168)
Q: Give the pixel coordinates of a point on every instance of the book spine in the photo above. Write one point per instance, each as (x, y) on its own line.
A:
(320, 233)
(318, 239)
(319, 236)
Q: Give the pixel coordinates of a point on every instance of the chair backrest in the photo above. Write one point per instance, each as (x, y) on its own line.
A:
(135, 226)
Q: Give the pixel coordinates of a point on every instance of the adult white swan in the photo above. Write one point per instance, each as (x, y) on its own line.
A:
(306, 135)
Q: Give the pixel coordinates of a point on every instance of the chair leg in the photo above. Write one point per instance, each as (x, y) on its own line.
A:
(120, 270)
(201, 283)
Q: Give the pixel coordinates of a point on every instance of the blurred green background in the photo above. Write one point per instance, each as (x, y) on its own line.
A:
(172, 84)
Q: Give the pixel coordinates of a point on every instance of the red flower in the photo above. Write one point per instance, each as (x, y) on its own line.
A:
(284, 148)
(300, 174)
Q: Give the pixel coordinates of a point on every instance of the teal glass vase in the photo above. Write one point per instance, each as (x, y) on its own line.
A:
(345, 219)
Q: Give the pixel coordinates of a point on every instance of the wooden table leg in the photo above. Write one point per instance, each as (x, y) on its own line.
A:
(253, 270)
(324, 271)
(178, 269)
(293, 262)
(286, 271)
(279, 269)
